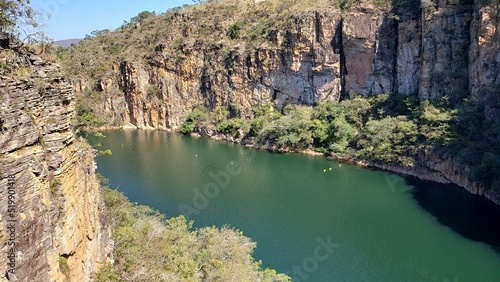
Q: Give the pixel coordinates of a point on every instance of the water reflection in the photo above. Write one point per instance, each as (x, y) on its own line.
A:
(473, 217)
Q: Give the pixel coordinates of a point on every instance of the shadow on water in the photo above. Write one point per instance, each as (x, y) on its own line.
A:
(474, 217)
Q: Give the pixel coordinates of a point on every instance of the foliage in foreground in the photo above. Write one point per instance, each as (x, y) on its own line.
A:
(150, 248)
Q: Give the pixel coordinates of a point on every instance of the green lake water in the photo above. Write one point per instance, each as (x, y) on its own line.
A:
(345, 224)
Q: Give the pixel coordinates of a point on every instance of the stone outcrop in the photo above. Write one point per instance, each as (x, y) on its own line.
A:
(484, 51)
(370, 44)
(444, 67)
(51, 207)
(297, 66)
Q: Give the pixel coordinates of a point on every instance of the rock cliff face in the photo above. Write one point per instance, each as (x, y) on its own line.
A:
(53, 223)
(449, 50)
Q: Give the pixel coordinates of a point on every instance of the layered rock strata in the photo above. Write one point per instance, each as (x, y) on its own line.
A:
(53, 223)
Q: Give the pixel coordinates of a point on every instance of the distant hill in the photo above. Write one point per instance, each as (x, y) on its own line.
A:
(67, 43)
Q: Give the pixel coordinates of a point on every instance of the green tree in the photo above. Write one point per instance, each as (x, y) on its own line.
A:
(435, 123)
(220, 114)
(292, 131)
(331, 129)
(390, 140)
(356, 110)
(341, 135)
(194, 120)
(13, 10)
(142, 16)
(235, 30)
(232, 126)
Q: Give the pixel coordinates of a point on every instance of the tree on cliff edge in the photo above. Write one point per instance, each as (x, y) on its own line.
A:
(13, 10)
(17, 16)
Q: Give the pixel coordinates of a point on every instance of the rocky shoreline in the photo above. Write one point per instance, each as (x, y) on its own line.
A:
(430, 167)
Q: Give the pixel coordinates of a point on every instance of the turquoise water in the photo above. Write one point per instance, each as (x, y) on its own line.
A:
(313, 223)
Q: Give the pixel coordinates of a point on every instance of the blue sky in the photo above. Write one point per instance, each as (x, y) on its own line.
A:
(75, 18)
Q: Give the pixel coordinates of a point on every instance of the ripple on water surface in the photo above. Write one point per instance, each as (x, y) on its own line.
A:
(385, 227)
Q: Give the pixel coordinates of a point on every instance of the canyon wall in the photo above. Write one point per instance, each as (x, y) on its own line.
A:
(53, 226)
(451, 49)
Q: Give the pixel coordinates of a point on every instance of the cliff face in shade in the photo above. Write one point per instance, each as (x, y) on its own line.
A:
(60, 231)
(433, 165)
(484, 51)
(444, 54)
(369, 44)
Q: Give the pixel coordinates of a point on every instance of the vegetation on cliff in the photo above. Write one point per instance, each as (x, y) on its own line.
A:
(149, 247)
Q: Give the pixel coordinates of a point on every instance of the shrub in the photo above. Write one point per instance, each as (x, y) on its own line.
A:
(428, 6)
(64, 266)
(331, 130)
(235, 30)
(232, 126)
(106, 152)
(152, 91)
(388, 140)
(219, 114)
(435, 123)
(194, 120)
(257, 125)
(54, 186)
(341, 135)
(86, 117)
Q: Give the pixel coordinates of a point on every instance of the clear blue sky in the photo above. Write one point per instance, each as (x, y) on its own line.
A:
(75, 18)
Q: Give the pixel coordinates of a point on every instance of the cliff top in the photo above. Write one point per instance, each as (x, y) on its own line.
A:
(228, 25)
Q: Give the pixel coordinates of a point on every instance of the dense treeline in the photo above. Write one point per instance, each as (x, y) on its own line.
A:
(149, 247)
(390, 129)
